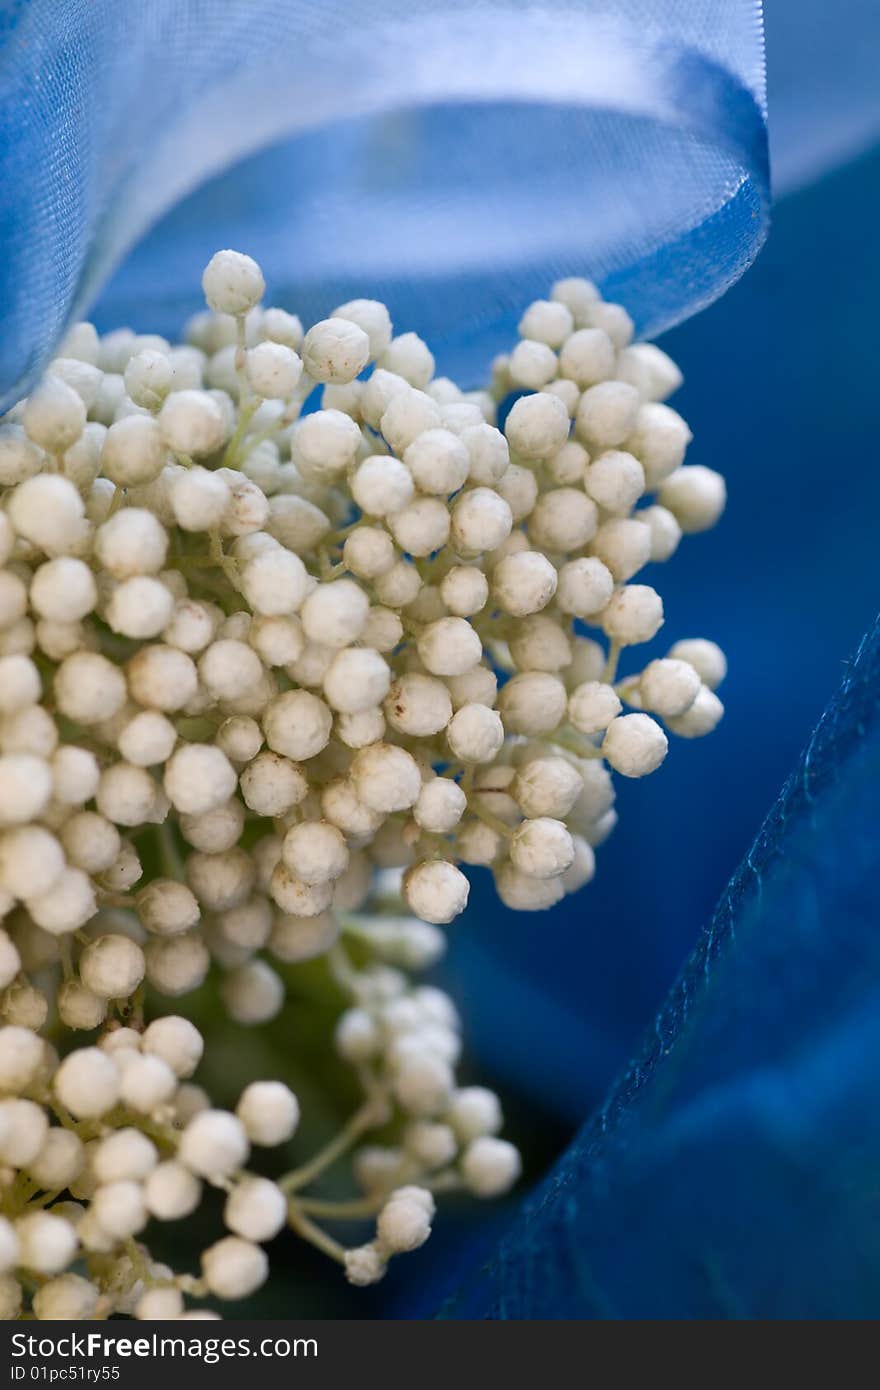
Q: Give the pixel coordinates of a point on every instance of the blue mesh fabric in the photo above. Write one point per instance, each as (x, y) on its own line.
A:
(449, 158)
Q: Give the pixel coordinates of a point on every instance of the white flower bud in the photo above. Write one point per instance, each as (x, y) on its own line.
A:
(23, 1130)
(668, 687)
(615, 480)
(192, 423)
(449, 647)
(21, 1058)
(563, 519)
(315, 851)
(438, 462)
(547, 787)
(386, 778)
(432, 1145)
(148, 377)
(269, 1112)
(25, 787)
(587, 357)
(253, 993)
(696, 496)
(171, 1191)
(199, 778)
(112, 967)
(606, 416)
(147, 739)
(474, 1111)
(364, 1265)
(31, 858)
(335, 350)
(161, 1304)
(357, 1037)
(356, 680)
(436, 891)
(592, 706)
(48, 511)
(125, 1155)
(213, 1144)
(404, 1223)
(78, 1007)
(440, 806)
(634, 614)
(46, 1243)
(147, 1083)
(177, 964)
(373, 318)
(490, 1166)
(119, 1209)
(475, 734)
(272, 370)
(659, 441)
(409, 413)
(67, 905)
(542, 848)
(537, 426)
(423, 1083)
(523, 583)
(532, 703)
(54, 415)
(198, 498)
(409, 357)
(139, 607)
(418, 706)
(131, 542)
(585, 587)
(297, 724)
(19, 457)
(256, 1209)
(546, 322)
(532, 364)
(87, 1083)
(615, 321)
(701, 718)
(128, 795)
(134, 451)
(521, 893)
(707, 659)
(234, 1268)
(650, 370)
(274, 582)
(634, 745)
(233, 283)
(271, 785)
(421, 527)
(176, 1042)
(63, 590)
(481, 521)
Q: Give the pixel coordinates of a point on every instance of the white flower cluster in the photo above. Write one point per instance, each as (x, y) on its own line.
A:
(277, 652)
(132, 1140)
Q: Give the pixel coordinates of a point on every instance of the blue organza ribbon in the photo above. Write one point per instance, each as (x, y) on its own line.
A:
(452, 159)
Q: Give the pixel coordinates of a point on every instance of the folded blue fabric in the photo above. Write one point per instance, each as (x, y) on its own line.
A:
(733, 1171)
(450, 159)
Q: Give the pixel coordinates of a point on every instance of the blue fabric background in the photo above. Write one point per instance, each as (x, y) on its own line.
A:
(732, 1171)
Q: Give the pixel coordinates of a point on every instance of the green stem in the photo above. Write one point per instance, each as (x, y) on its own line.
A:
(610, 671)
(300, 1223)
(366, 1117)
